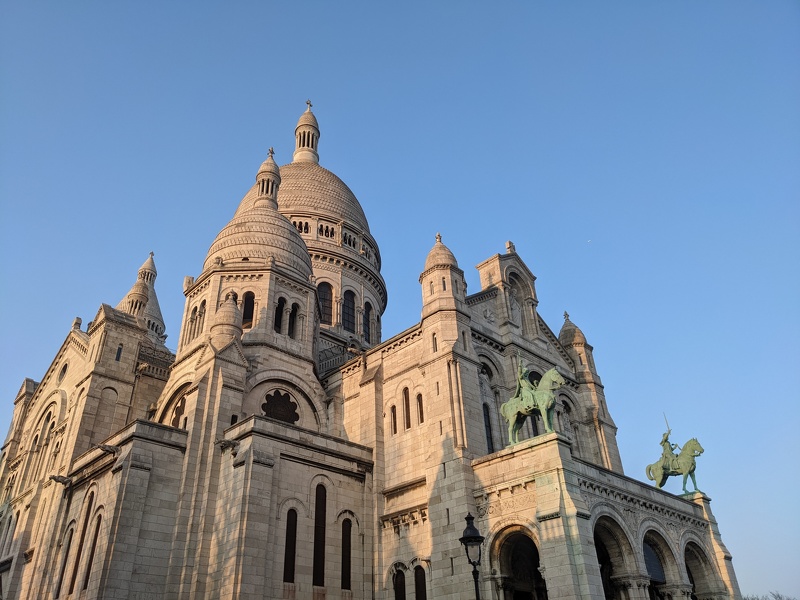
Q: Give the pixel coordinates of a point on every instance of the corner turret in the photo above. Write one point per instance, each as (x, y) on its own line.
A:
(142, 302)
(443, 283)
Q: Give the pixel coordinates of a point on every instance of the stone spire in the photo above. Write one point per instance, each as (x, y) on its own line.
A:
(142, 302)
(306, 137)
(268, 180)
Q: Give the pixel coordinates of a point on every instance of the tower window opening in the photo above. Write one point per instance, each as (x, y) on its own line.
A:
(400, 585)
(434, 344)
(487, 425)
(367, 322)
(347, 527)
(406, 409)
(249, 303)
(119, 353)
(293, 320)
(325, 296)
(278, 322)
(91, 552)
(393, 419)
(420, 413)
(349, 312)
(289, 548)
(319, 536)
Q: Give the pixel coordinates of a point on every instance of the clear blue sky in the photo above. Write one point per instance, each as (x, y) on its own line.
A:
(644, 157)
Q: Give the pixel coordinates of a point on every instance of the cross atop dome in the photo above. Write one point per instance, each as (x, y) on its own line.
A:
(309, 105)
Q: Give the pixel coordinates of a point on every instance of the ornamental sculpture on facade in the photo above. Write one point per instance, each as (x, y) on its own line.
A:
(529, 398)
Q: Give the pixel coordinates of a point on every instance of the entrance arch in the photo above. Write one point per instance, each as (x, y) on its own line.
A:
(660, 564)
(615, 555)
(700, 572)
(519, 568)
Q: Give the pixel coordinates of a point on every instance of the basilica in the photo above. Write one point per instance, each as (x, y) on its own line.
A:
(285, 449)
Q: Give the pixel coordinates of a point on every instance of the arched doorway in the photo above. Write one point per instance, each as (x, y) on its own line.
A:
(614, 555)
(700, 571)
(519, 564)
(660, 564)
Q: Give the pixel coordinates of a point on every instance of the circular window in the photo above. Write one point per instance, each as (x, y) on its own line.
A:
(62, 373)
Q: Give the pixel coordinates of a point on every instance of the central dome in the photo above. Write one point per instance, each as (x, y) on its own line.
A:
(308, 188)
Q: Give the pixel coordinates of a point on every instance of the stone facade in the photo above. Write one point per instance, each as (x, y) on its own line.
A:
(286, 451)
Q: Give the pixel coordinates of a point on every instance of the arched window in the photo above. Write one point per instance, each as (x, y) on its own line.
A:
(91, 552)
(325, 296)
(248, 308)
(278, 322)
(319, 536)
(67, 546)
(444, 284)
(435, 345)
(406, 409)
(347, 528)
(349, 312)
(201, 317)
(293, 319)
(119, 353)
(420, 412)
(420, 592)
(87, 515)
(399, 585)
(393, 418)
(367, 319)
(487, 425)
(290, 548)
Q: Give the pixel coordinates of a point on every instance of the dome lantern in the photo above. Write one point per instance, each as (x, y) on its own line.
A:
(268, 181)
(306, 137)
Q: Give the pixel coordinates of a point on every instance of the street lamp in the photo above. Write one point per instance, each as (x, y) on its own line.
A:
(472, 540)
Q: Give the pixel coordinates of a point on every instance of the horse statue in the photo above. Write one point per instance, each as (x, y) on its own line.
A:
(669, 464)
(530, 397)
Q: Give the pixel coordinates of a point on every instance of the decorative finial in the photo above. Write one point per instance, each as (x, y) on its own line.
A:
(510, 247)
(309, 105)
(271, 151)
(152, 254)
(439, 238)
(566, 316)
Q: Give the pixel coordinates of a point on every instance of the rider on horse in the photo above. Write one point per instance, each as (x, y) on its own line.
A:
(668, 455)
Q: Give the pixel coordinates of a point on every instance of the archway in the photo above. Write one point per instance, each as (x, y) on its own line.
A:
(700, 571)
(519, 565)
(660, 564)
(614, 555)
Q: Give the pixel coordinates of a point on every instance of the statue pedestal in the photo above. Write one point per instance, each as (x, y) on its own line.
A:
(723, 556)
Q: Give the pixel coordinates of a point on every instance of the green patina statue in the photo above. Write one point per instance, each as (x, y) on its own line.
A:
(529, 398)
(671, 464)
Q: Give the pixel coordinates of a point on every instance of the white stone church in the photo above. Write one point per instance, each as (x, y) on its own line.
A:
(286, 450)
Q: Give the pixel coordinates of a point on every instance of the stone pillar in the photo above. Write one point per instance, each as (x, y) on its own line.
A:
(721, 554)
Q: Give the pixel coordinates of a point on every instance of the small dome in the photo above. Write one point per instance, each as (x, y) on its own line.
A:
(149, 265)
(570, 334)
(269, 166)
(261, 233)
(228, 314)
(307, 118)
(440, 255)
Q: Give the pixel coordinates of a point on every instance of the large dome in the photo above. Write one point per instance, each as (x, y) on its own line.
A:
(260, 233)
(308, 188)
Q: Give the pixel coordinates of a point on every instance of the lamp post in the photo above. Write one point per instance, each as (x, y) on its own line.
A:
(472, 540)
